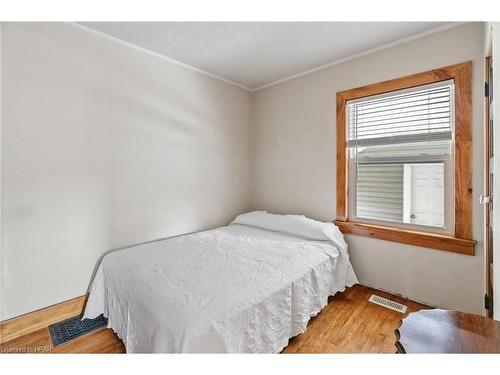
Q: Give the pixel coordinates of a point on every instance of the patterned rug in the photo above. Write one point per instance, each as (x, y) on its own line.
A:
(72, 328)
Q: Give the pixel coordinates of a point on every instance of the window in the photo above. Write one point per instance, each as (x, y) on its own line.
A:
(403, 160)
(400, 150)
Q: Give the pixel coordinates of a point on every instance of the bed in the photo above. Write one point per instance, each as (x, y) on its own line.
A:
(244, 288)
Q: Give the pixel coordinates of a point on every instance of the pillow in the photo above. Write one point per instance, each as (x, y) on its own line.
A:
(297, 225)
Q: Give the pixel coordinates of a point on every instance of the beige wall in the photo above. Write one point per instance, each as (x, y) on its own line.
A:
(103, 146)
(294, 164)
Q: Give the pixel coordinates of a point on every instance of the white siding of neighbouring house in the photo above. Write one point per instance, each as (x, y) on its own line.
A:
(380, 191)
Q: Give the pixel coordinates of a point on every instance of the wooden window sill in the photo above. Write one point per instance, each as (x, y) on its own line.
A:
(429, 240)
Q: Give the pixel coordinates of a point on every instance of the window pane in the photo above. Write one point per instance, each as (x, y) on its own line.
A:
(411, 193)
(380, 191)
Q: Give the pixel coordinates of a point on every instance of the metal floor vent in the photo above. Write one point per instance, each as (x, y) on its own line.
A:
(388, 303)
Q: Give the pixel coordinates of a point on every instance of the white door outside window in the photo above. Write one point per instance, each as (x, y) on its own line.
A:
(424, 194)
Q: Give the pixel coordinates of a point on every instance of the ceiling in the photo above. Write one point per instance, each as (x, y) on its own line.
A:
(256, 54)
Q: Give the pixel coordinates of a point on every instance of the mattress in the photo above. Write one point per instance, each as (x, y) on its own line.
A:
(234, 289)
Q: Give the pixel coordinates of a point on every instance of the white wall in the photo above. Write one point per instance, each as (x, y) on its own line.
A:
(295, 160)
(103, 146)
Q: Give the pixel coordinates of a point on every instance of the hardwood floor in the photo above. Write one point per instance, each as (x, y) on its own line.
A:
(352, 324)
(348, 324)
(103, 340)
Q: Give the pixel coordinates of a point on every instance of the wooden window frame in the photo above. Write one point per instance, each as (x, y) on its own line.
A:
(461, 242)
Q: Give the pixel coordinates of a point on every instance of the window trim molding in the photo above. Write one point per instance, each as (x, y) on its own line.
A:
(462, 241)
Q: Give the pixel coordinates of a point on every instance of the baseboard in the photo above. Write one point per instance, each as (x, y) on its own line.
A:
(33, 321)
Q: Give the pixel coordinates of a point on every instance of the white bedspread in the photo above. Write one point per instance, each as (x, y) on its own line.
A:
(233, 289)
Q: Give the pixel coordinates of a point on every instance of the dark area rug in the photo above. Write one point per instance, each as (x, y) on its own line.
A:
(72, 328)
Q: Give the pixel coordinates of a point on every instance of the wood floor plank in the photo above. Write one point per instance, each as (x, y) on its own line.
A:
(103, 340)
(348, 324)
(34, 342)
(352, 324)
(31, 322)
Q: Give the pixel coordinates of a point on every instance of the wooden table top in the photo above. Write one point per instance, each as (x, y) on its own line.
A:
(444, 331)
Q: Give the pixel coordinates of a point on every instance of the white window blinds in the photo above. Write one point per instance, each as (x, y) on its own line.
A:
(420, 114)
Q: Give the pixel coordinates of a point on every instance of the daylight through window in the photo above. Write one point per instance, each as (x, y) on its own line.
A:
(400, 148)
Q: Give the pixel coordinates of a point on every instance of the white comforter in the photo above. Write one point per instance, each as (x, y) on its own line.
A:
(238, 288)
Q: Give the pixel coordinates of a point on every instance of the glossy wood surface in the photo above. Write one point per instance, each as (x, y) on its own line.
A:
(348, 324)
(352, 324)
(428, 240)
(444, 331)
(342, 160)
(463, 152)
